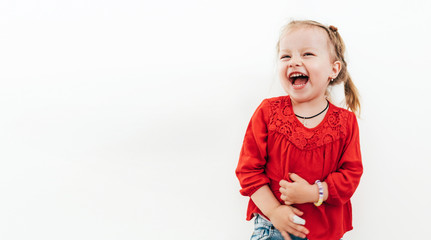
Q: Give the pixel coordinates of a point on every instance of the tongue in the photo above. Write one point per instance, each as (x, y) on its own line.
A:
(300, 81)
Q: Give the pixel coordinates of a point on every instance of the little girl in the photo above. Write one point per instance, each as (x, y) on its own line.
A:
(300, 162)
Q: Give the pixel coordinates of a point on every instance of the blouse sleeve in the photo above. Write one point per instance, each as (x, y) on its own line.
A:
(251, 165)
(343, 182)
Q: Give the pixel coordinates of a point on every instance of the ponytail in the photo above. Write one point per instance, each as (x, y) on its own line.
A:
(351, 93)
(352, 96)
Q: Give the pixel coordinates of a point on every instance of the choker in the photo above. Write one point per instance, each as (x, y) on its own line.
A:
(316, 114)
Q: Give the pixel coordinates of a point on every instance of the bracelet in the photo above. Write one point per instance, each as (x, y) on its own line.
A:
(320, 186)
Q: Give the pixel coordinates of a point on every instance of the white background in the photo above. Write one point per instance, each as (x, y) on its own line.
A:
(124, 119)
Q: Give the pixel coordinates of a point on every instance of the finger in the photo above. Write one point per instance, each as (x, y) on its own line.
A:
(285, 235)
(300, 231)
(298, 220)
(282, 190)
(294, 231)
(295, 177)
(287, 202)
(297, 211)
(283, 183)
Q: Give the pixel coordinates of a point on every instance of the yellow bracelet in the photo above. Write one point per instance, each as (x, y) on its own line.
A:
(320, 186)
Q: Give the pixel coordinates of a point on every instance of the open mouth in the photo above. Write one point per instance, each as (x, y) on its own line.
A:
(298, 79)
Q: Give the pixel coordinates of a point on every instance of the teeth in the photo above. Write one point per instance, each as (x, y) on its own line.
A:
(297, 75)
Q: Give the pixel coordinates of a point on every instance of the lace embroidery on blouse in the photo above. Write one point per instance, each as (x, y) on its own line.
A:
(282, 120)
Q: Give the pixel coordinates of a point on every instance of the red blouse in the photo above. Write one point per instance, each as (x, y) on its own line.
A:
(276, 144)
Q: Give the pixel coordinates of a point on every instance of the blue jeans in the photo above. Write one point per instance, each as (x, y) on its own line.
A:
(264, 230)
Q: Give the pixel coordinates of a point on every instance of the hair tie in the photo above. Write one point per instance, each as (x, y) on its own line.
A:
(334, 29)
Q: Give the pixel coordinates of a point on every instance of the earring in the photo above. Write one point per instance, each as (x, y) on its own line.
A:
(332, 79)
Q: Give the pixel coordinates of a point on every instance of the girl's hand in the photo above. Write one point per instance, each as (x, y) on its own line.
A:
(282, 219)
(297, 191)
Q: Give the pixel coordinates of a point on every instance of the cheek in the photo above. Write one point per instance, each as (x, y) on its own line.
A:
(282, 69)
(322, 71)
(284, 84)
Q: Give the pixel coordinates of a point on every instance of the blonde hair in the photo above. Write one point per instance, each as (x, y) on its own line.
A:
(337, 45)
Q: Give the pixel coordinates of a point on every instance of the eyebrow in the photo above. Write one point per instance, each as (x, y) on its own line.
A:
(302, 49)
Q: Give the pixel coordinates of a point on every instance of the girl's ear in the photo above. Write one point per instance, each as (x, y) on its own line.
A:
(336, 68)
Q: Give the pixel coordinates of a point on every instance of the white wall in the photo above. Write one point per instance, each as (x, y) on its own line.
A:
(124, 119)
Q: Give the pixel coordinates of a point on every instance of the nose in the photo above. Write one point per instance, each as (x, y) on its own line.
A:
(295, 61)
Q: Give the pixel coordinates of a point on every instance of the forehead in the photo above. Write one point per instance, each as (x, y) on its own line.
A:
(304, 37)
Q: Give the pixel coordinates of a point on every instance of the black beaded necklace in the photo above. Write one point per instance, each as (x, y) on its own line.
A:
(316, 114)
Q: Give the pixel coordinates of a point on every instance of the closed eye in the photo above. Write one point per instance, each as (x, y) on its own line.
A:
(284, 56)
(308, 54)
